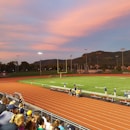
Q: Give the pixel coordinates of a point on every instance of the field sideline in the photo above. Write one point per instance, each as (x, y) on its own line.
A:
(88, 83)
(88, 112)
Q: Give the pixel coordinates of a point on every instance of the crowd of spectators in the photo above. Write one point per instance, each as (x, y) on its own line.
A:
(14, 116)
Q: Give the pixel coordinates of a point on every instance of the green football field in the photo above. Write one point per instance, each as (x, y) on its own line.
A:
(89, 83)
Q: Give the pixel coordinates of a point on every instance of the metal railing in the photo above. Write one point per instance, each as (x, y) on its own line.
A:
(42, 111)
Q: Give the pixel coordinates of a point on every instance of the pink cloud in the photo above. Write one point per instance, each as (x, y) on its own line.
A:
(20, 32)
(20, 28)
(1, 45)
(77, 21)
(7, 56)
(81, 21)
(55, 39)
(4, 45)
(50, 43)
(10, 3)
(43, 46)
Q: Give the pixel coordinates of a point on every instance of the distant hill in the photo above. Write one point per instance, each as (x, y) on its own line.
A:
(98, 57)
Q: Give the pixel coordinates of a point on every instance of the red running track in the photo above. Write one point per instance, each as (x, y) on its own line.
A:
(90, 113)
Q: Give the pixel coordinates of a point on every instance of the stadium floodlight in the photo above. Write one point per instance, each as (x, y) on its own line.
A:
(122, 50)
(40, 53)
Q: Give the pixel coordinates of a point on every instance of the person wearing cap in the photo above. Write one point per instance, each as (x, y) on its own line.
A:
(29, 113)
(31, 120)
(6, 115)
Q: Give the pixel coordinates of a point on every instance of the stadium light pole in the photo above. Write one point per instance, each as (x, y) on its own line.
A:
(122, 50)
(17, 56)
(0, 64)
(71, 62)
(86, 60)
(117, 60)
(40, 65)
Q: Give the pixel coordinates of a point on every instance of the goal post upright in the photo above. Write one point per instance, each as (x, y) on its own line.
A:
(58, 70)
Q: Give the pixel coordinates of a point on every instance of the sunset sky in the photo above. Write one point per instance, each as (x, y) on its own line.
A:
(60, 28)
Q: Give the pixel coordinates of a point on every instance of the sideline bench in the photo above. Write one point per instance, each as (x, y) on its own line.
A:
(95, 96)
(103, 97)
(59, 89)
(99, 96)
(125, 101)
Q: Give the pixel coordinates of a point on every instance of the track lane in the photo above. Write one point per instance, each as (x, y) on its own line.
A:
(111, 116)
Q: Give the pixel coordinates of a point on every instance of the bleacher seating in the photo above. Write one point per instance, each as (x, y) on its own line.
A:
(16, 96)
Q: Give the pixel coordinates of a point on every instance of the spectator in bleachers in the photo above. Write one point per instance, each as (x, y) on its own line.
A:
(61, 125)
(56, 128)
(3, 103)
(47, 122)
(2, 108)
(30, 124)
(12, 102)
(54, 124)
(36, 116)
(40, 123)
(44, 117)
(15, 123)
(29, 114)
(4, 99)
(21, 108)
(70, 127)
(18, 119)
(6, 115)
